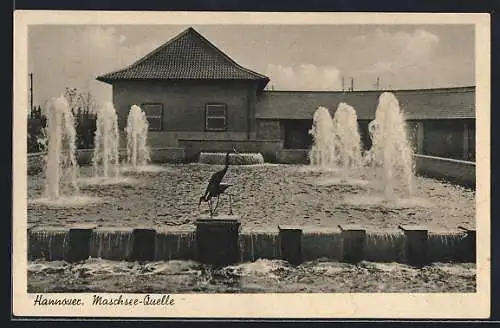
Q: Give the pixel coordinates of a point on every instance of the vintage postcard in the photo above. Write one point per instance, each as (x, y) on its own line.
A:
(251, 165)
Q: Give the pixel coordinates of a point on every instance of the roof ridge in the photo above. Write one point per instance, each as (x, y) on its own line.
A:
(223, 54)
(210, 51)
(148, 55)
(161, 47)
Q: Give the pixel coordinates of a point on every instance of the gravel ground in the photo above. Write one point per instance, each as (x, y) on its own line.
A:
(264, 196)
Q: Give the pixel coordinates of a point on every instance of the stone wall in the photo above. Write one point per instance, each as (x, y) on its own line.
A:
(167, 155)
(292, 156)
(268, 148)
(269, 129)
(184, 102)
(457, 171)
(84, 157)
(162, 139)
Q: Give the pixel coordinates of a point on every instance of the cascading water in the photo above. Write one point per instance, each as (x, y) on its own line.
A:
(174, 245)
(111, 244)
(254, 246)
(137, 134)
(47, 244)
(322, 154)
(390, 156)
(106, 140)
(61, 171)
(385, 246)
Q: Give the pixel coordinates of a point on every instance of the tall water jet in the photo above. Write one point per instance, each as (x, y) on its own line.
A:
(61, 170)
(322, 154)
(106, 142)
(137, 134)
(346, 141)
(390, 156)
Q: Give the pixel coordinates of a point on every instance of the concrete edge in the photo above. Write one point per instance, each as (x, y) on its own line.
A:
(295, 245)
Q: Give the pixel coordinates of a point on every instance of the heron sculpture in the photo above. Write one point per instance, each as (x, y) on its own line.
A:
(216, 187)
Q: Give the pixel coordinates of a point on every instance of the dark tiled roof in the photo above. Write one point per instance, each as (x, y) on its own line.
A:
(442, 103)
(187, 56)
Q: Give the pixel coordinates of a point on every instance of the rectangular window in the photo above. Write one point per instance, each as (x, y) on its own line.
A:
(154, 115)
(215, 117)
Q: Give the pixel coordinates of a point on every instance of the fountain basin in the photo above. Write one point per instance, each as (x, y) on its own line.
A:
(265, 196)
(456, 171)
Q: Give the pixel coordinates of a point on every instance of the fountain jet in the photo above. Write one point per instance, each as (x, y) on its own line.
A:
(390, 156)
(137, 134)
(322, 154)
(347, 141)
(106, 142)
(336, 142)
(61, 170)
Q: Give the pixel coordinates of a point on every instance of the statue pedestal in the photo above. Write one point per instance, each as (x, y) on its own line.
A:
(217, 240)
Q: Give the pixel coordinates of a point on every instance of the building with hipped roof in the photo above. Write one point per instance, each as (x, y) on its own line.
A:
(198, 98)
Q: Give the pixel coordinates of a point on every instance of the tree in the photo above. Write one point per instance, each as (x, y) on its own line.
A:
(82, 106)
(71, 95)
(87, 102)
(77, 99)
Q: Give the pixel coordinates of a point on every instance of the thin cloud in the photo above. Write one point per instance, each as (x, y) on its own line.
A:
(304, 77)
(77, 55)
(393, 52)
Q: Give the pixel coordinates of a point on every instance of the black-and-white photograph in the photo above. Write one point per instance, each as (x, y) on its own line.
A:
(250, 158)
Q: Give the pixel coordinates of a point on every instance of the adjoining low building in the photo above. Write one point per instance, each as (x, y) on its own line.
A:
(441, 122)
(197, 98)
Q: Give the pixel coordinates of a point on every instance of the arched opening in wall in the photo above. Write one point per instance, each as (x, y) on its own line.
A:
(297, 134)
(445, 138)
(366, 141)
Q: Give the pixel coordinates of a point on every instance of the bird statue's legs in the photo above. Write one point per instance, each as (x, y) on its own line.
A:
(230, 204)
(216, 203)
(210, 208)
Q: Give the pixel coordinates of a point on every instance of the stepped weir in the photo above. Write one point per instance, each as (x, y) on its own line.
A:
(407, 244)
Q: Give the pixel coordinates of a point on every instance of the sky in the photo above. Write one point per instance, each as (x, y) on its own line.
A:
(295, 57)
